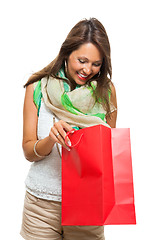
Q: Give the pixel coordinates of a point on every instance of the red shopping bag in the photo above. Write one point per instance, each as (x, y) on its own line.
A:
(97, 181)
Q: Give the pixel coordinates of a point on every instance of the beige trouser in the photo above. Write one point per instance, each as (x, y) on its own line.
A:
(42, 220)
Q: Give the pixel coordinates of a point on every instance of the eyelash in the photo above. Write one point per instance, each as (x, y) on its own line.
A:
(81, 61)
(96, 65)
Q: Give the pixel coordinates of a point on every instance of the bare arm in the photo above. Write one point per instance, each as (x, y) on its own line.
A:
(30, 120)
(113, 116)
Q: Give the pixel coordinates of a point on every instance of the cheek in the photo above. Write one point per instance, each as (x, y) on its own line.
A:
(73, 67)
(96, 70)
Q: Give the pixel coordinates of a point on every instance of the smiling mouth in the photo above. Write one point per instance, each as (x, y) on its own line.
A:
(82, 77)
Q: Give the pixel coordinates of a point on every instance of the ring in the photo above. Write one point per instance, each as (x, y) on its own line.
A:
(57, 134)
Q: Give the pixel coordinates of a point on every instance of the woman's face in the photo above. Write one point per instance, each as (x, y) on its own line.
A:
(84, 63)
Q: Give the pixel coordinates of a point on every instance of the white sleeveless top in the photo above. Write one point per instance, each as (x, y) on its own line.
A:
(44, 177)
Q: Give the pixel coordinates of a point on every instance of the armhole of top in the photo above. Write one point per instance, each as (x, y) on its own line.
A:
(37, 95)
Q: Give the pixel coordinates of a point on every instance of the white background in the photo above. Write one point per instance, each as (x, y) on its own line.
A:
(31, 34)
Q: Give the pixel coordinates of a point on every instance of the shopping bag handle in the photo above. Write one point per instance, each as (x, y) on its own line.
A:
(71, 132)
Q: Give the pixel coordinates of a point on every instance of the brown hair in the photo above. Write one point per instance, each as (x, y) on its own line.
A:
(83, 32)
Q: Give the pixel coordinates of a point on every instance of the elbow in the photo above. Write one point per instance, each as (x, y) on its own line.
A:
(27, 156)
(26, 153)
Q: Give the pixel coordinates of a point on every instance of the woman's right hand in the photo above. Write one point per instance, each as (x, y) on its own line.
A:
(30, 121)
(58, 133)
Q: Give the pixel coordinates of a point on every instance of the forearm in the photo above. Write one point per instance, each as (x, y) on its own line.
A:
(43, 148)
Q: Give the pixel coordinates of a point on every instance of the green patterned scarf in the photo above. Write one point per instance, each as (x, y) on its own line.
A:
(78, 107)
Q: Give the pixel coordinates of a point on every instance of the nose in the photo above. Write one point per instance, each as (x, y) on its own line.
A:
(87, 69)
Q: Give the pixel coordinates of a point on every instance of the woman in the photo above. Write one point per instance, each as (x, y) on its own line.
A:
(73, 91)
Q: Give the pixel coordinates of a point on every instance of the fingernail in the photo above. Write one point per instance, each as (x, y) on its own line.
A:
(68, 149)
(69, 143)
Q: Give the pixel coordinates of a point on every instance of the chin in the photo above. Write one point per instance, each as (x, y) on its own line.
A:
(79, 82)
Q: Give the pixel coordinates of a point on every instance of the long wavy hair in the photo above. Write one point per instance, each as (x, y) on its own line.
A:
(85, 31)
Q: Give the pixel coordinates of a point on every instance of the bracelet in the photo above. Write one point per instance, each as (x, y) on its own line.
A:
(36, 151)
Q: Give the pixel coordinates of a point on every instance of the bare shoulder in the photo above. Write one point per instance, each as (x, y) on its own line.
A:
(113, 95)
(29, 105)
(113, 89)
(30, 117)
(29, 89)
(111, 119)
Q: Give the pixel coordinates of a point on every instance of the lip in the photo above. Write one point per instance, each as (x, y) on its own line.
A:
(82, 78)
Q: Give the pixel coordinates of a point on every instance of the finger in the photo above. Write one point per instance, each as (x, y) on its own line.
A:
(54, 133)
(57, 139)
(62, 127)
(66, 126)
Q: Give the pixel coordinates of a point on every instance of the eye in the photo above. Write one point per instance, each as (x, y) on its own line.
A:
(97, 64)
(81, 60)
